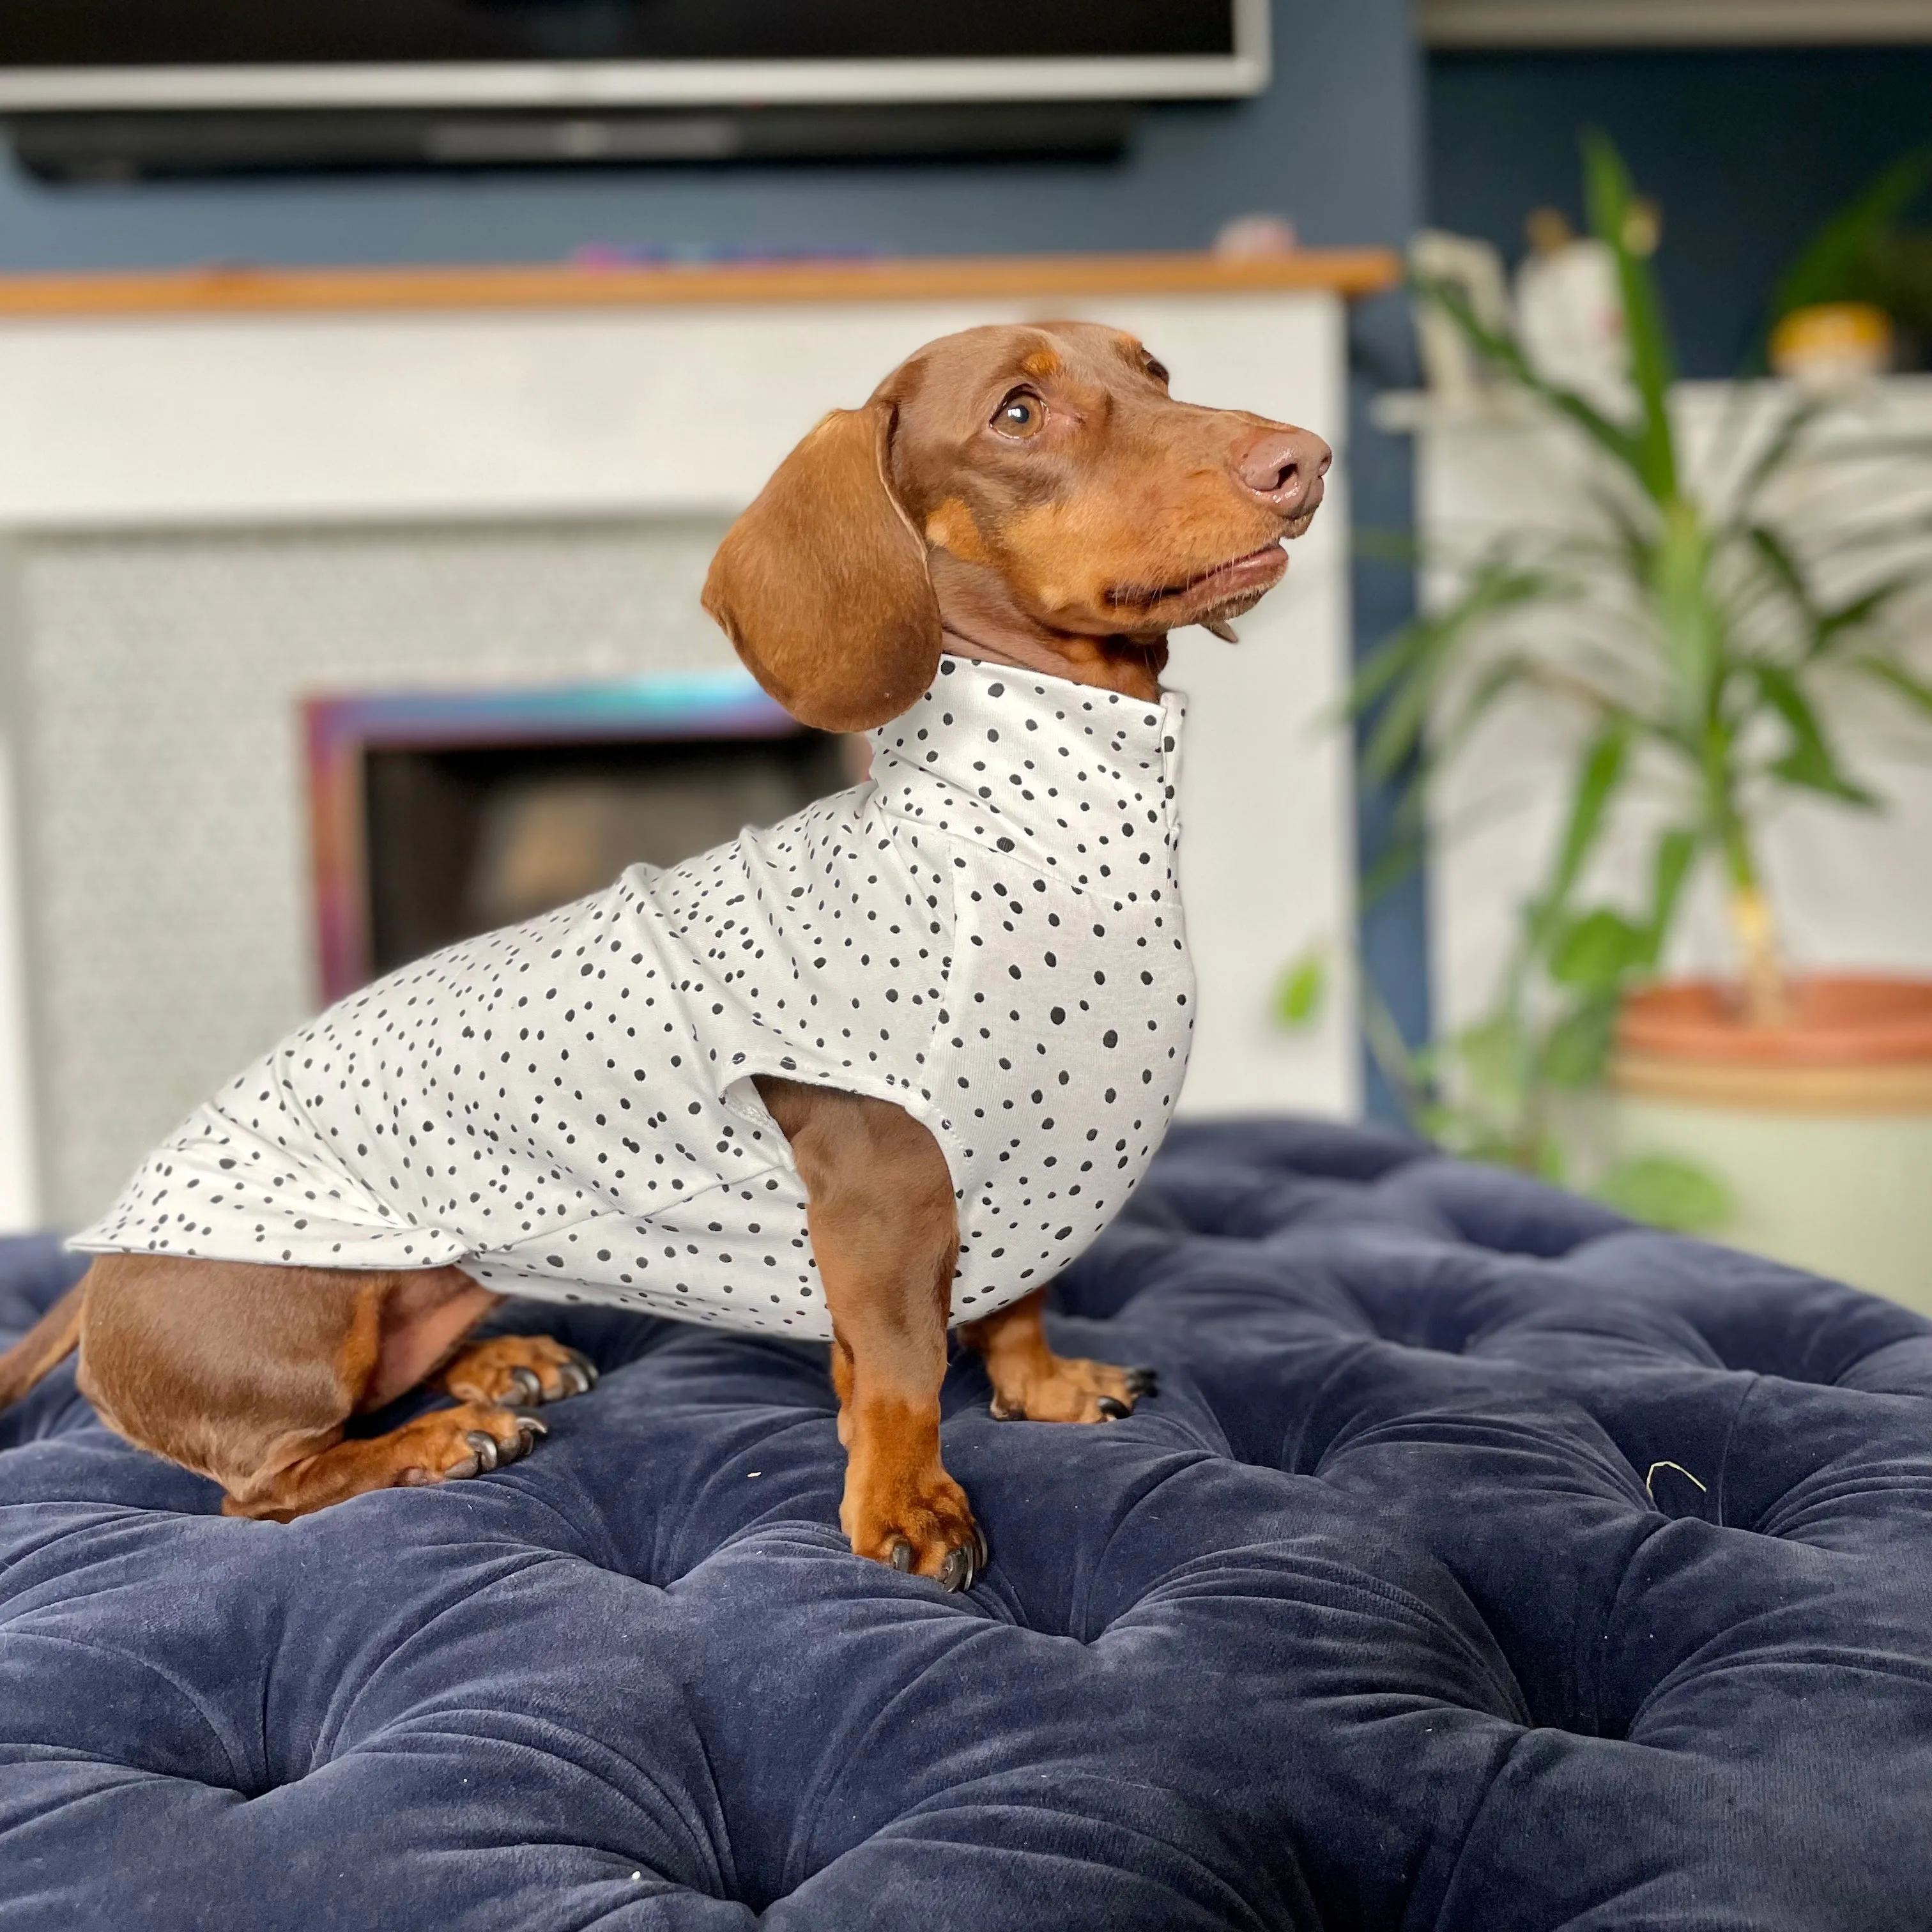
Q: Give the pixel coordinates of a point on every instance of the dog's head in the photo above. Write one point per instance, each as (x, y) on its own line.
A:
(1033, 479)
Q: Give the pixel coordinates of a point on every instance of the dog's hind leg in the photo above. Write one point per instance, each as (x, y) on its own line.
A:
(520, 1369)
(886, 1236)
(1031, 1384)
(248, 1374)
(443, 1447)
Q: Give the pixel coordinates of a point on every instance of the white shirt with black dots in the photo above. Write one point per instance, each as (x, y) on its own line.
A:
(987, 932)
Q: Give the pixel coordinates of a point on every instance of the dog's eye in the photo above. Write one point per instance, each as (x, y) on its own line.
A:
(1020, 414)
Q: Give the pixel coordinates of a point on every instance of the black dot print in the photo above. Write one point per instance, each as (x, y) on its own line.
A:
(987, 932)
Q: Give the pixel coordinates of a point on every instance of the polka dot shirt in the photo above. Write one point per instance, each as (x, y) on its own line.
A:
(987, 932)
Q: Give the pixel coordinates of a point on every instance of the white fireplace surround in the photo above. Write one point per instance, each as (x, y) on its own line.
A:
(348, 470)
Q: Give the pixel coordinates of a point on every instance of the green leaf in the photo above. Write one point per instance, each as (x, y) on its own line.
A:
(1598, 951)
(1375, 543)
(1303, 988)
(1452, 724)
(1521, 671)
(1398, 681)
(1778, 449)
(1504, 353)
(1808, 761)
(1410, 1072)
(1396, 734)
(1546, 1160)
(1670, 867)
(1667, 1193)
(1913, 689)
(1398, 656)
(1635, 535)
(1609, 195)
(1900, 265)
(1846, 620)
(1828, 629)
(1598, 778)
(1388, 869)
(1490, 1055)
(1578, 1047)
(1784, 568)
(1688, 619)
(1453, 732)
(1833, 265)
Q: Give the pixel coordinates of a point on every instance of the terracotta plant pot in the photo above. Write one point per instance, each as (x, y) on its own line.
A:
(1821, 1128)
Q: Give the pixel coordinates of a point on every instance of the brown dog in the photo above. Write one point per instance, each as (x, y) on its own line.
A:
(1027, 495)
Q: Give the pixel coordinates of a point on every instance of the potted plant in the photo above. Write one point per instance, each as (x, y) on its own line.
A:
(1700, 642)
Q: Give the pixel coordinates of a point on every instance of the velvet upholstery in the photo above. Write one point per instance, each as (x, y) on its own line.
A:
(1483, 1563)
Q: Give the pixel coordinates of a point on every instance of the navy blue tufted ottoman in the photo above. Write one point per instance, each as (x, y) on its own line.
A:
(1483, 1563)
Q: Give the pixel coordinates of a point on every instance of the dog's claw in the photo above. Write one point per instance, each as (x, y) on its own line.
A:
(527, 1386)
(955, 1574)
(1143, 1381)
(581, 1371)
(1007, 1411)
(485, 1446)
(980, 1548)
(1112, 1410)
(529, 1426)
(902, 1556)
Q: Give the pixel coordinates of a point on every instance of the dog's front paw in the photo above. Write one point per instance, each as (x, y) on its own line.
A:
(1069, 1390)
(521, 1370)
(923, 1526)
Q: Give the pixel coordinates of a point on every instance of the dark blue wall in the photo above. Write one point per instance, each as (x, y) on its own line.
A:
(1747, 151)
(1335, 145)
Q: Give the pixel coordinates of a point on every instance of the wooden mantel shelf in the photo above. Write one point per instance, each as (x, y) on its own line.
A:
(1348, 272)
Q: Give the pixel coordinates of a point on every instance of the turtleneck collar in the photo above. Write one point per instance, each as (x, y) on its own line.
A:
(1082, 779)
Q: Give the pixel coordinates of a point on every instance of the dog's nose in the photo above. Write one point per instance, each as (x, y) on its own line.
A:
(1284, 467)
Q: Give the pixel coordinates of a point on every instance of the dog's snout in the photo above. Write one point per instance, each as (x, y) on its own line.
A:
(1284, 467)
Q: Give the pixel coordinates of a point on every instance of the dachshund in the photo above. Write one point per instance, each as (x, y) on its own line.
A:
(980, 567)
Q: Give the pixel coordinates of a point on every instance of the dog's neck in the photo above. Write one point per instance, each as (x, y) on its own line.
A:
(980, 616)
(1131, 666)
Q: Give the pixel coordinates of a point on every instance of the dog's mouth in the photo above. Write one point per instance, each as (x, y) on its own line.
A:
(1217, 591)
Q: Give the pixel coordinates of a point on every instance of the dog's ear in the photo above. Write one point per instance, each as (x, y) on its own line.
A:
(822, 584)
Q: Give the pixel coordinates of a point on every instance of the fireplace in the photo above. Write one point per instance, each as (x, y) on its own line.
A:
(436, 815)
(464, 514)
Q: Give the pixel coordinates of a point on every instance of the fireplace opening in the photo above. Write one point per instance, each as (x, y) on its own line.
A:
(461, 842)
(438, 816)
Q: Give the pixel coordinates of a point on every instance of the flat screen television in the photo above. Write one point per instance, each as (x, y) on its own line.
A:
(92, 56)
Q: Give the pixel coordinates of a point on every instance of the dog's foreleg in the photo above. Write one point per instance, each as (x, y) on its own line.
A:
(886, 1236)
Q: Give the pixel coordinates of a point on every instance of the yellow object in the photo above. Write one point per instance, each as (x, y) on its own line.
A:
(1832, 342)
